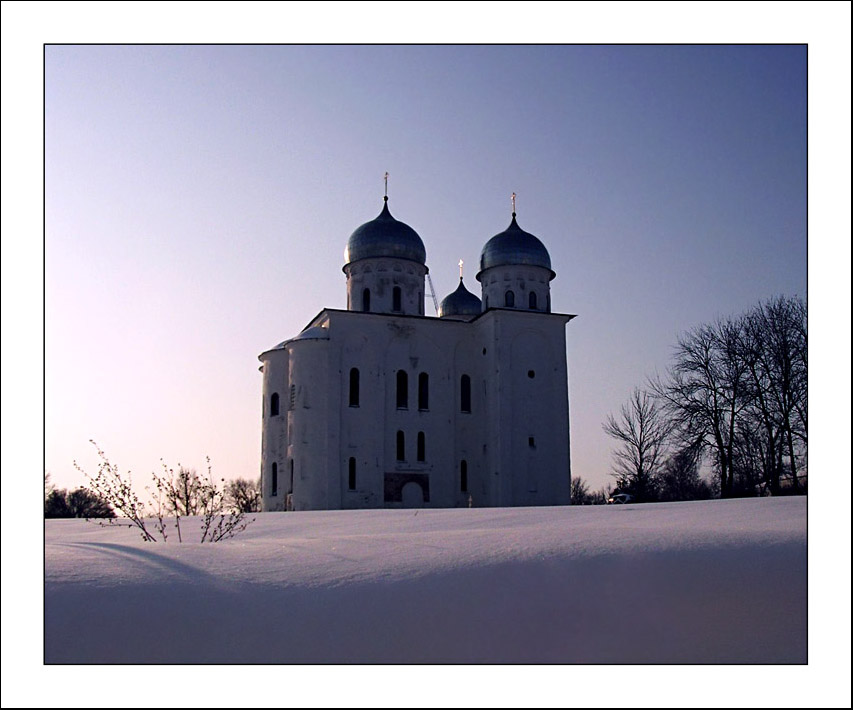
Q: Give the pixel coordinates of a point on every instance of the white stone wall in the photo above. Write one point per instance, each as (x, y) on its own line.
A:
(497, 351)
(309, 422)
(381, 276)
(522, 281)
(274, 442)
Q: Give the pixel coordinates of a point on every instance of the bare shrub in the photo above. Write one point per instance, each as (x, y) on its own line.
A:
(172, 495)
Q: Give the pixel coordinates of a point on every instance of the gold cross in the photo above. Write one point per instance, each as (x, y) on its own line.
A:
(460, 268)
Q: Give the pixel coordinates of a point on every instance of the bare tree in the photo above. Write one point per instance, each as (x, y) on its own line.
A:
(83, 503)
(738, 388)
(79, 503)
(760, 435)
(642, 431)
(56, 504)
(580, 494)
(707, 392)
(243, 495)
(783, 322)
(183, 492)
(601, 495)
(679, 478)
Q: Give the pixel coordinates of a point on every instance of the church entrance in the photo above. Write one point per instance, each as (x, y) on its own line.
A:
(406, 489)
(413, 495)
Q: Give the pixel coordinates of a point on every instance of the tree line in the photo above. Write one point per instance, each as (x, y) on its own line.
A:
(734, 397)
(183, 493)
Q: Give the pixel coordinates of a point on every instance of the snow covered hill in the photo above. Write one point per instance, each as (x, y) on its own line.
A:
(699, 582)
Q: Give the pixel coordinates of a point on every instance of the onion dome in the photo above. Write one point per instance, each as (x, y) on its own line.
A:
(514, 247)
(460, 303)
(385, 237)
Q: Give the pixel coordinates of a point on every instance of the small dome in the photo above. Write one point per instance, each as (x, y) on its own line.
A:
(385, 236)
(317, 332)
(460, 303)
(514, 247)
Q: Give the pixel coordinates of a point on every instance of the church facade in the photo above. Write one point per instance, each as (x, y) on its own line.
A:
(381, 406)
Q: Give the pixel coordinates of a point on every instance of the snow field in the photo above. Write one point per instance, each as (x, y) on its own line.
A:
(702, 582)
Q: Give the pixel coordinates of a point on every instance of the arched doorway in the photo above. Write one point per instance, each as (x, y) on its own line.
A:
(413, 495)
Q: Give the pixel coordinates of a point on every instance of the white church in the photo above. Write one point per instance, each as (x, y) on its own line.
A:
(382, 406)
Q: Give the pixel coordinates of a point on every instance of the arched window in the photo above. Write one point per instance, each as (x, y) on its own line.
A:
(365, 300)
(421, 446)
(274, 404)
(397, 297)
(423, 391)
(532, 299)
(463, 476)
(352, 473)
(465, 394)
(401, 446)
(509, 299)
(402, 390)
(274, 486)
(353, 387)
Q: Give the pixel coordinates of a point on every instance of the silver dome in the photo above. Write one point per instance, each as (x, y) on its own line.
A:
(460, 303)
(385, 237)
(514, 247)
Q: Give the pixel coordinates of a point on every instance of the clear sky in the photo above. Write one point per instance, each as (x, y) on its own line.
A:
(198, 200)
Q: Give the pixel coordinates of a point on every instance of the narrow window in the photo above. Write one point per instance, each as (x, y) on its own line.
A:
(401, 446)
(398, 299)
(420, 303)
(533, 305)
(365, 300)
(291, 476)
(421, 446)
(509, 299)
(486, 304)
(293, 396)
(402, 390)
(353, 387)
(352, 474)
(274, 404)
(274, 480)
(423, 391)
(465, 403)
(463, 479)
(548, 303)
(531, 442)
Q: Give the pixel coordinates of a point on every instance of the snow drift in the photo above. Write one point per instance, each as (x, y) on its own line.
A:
(699, 582)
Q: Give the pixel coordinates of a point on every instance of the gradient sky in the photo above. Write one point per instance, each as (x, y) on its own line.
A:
(199, 198)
